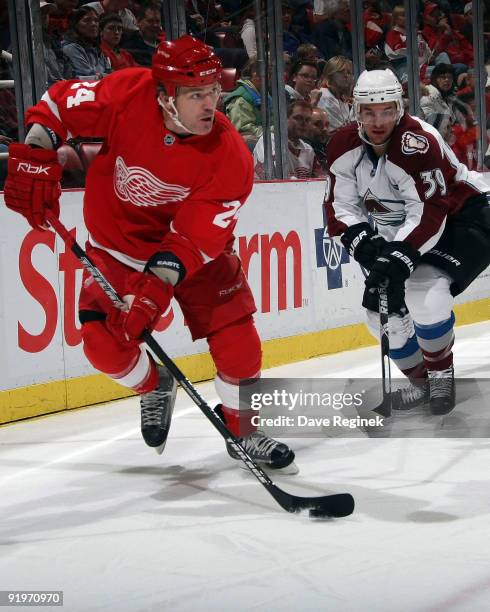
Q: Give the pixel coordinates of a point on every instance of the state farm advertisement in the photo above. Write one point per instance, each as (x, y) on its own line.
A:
(302, 280)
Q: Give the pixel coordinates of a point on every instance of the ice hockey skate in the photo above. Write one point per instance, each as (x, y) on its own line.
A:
(442, 391)
(413, 395)
(267, 452)
(156, 410)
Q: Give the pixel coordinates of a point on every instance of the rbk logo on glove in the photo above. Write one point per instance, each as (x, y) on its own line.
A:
(32, 169)
(33, 183)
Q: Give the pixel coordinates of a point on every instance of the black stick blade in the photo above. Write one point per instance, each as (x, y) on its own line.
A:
(336, 505)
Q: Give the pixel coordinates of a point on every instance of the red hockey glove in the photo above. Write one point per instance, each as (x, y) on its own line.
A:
(33, 183)
(151, 299)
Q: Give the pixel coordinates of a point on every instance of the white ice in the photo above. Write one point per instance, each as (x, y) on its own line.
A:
(87, 508)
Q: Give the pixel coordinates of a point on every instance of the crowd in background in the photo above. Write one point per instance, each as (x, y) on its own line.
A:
(92, 39)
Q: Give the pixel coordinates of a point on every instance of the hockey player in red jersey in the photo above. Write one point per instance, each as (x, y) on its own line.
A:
(431, 215)
(161, 203)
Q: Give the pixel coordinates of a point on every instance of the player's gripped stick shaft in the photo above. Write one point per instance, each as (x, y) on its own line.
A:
(385, 408)
(335, 505)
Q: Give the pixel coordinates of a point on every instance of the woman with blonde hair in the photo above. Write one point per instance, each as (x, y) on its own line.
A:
(336, 82)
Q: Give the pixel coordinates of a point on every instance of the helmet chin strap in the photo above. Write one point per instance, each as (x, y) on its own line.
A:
(366, 140)
(175, 114)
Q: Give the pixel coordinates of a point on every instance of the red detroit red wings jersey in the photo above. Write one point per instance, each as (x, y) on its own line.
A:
(149, 190)
(408, 192)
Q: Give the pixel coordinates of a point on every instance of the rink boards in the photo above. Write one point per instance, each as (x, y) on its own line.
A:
(307, 290)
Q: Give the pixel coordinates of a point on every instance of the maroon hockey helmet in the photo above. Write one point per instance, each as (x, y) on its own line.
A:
(185, 62)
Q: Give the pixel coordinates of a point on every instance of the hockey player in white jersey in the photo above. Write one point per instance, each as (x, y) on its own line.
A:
(418, 220)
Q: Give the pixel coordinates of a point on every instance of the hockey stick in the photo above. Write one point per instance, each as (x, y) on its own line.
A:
(384, 409)
(336, 505)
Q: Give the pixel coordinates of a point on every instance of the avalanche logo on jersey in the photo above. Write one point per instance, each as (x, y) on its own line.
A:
(414, 143)
(381, 213)
(140, 187)
(330, 254)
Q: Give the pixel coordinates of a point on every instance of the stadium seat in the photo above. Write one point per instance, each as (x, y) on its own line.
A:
(73, 172)
(69, 158)
(88, 151)
(221, 37)
(228, 79)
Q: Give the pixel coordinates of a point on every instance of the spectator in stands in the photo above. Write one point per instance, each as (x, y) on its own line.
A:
(290, 41)
(232, 7)
(303, 77)
(58, 66)
(439, 104)
(465, 83)
(204, 18)
(337, 82)
(466, 29)
(436, 31)
(373, 27)
(247, 32)
(446, 45)
(82, 46)
(111, 29)
(460, 52)
(395, 47)
(143, 43)
(332, 35)
(307, 53)
(318, 137)
(320, 10)
(300, 20)
(301, 154)
(243, 105)
(116, 7)
(59, 19)
(205, 13)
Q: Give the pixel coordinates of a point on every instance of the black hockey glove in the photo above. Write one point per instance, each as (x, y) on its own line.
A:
(391, 269)
(363, 244)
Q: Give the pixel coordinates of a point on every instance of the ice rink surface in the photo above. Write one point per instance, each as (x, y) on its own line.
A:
(88, 509)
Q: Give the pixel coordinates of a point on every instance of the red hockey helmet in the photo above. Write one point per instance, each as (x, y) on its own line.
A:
(185, 62)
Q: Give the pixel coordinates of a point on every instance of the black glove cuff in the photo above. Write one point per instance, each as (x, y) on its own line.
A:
(354, 235)
(402, 253)
(166, 260)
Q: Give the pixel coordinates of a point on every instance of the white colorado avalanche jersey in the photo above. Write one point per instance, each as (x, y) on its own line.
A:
(409, 192)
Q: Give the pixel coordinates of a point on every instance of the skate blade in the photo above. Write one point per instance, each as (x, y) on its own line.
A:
(159, 449)
(289, 470)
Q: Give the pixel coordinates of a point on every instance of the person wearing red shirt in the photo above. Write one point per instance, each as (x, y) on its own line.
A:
(442, 39)
(161, 203)
(111, 29)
